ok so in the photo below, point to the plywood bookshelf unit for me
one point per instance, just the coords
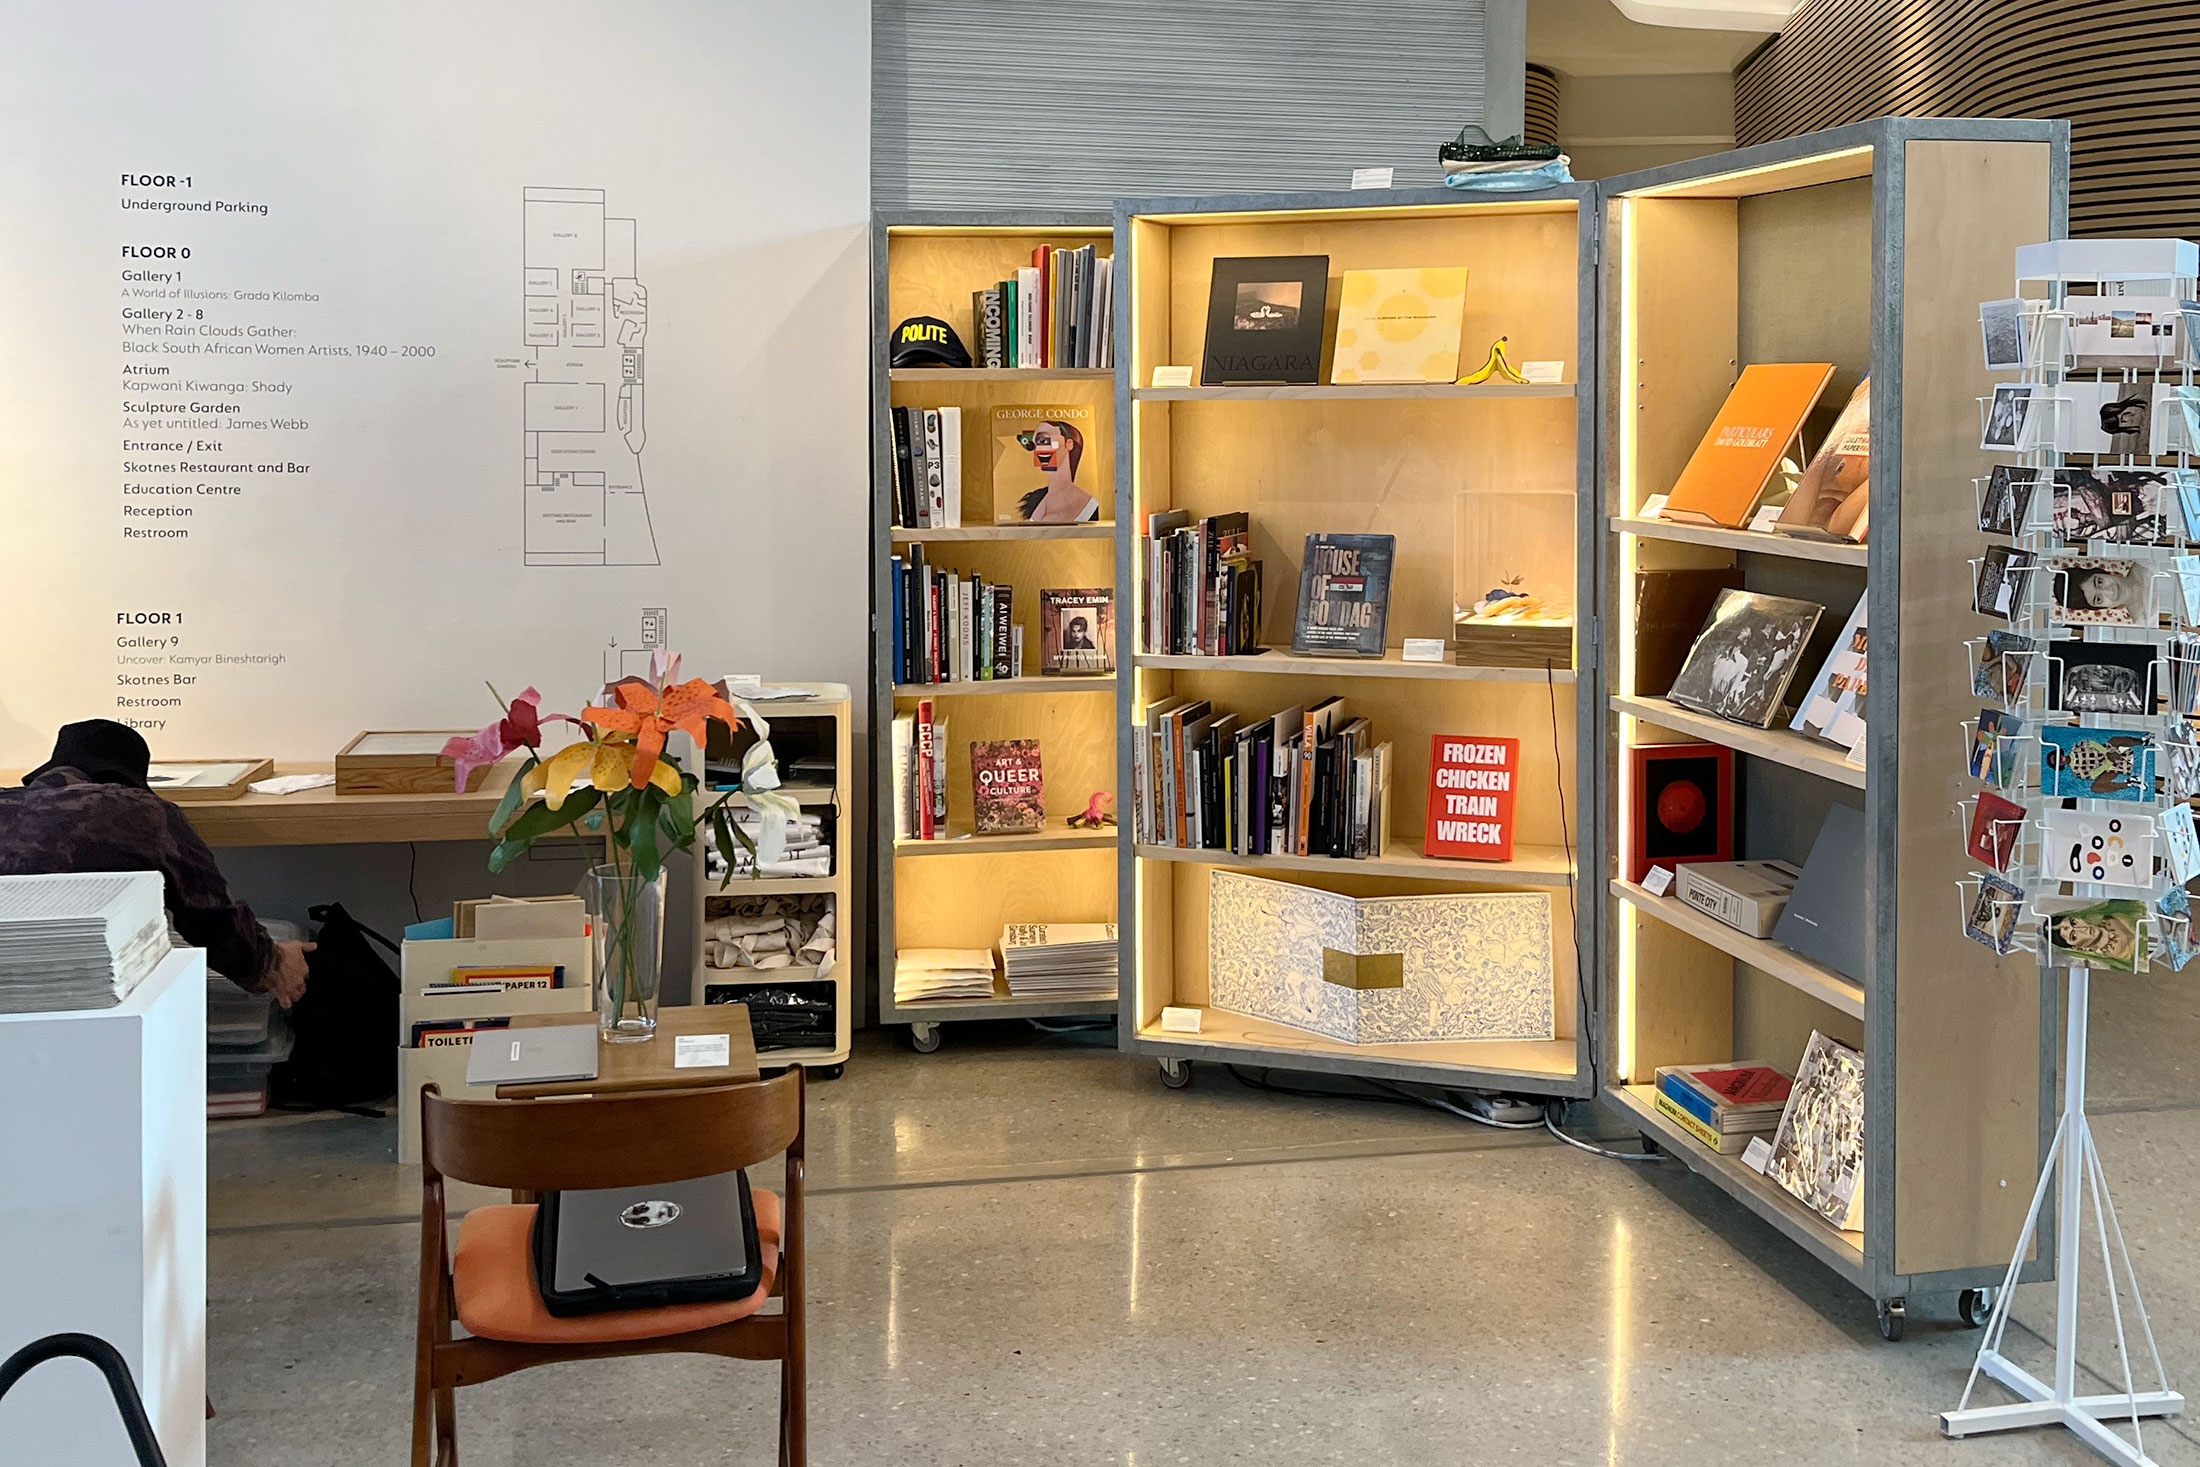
(1383, 459)
(1868, 246)
(960, 892)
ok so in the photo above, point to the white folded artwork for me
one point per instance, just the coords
(2112, 849)
(1382, 970)
(78, 941)
(922, 973)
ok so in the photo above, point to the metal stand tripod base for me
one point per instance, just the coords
(2074, 1162)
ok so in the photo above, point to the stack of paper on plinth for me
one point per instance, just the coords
(1045, 959)
(78, 941)
(942, 972)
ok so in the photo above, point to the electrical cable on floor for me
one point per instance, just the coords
(412, 871)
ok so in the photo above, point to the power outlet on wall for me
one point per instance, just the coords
(654, 624)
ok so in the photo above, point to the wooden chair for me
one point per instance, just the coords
(575, 1143)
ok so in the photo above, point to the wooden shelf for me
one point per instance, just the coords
(1842, 1252)
(1391, 664)
(1003, 1005)
(1832, 552)
(1058, 836)
(1780, 745)
(1344, 392)
(802, 794)
(1237, 1039)
(1000, 374)
(979, 686)
(1090, 530)
(768, 885)
(1791, 968)
(1537, 866)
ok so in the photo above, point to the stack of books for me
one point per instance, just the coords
(1059, 311)
(1308, 781)
(1202, 585)
(927, 468)
(1053, 959)
(1723, 1106)
(950, 627)
(922, 973)
(78, 941)
(920, 774)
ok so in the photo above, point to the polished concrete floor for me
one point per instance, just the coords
(1026, 1250)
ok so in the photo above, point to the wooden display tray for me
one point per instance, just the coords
(202, 794)
(360, 771)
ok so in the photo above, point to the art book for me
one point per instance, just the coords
(1007, 791)
(1399, 325)
(1344, 596)
(1833, 499)
(1077, 632)
(1745, 657)
(1833, 709)
(2080, 763)
(1818, 1152)
(1726, 475)
(1041, 466)
(1264, 320)
(1471, 783)
(1996, 826)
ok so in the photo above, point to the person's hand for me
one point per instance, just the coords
(287, 979)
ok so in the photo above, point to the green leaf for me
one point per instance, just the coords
(642, 841)
(509, 805)
(539, 820)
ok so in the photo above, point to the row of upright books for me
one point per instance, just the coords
(919, 754)
(928, 468)
(1308, 781)
(1202, 585)
(951, 627)
(1059, 311)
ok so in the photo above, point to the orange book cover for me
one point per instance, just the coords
(1726, 475)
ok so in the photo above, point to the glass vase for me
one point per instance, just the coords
(627, 925)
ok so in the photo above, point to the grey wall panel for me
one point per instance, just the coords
(1047, 103)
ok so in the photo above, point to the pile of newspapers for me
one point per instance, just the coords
(80, 941)
(1046, 959)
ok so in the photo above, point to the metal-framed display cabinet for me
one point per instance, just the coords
(1451, 470)
(959, 892)
(1868, 246)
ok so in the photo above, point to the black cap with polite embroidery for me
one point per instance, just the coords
(926, 341)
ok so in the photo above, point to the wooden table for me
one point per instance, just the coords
(624, 1068)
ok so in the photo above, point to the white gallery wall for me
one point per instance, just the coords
(352, 356)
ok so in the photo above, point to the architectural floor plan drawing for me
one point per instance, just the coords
(587, 316)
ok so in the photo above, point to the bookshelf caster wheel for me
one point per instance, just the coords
(1650, 1146)
(924, 1038)
(1176, 1074)
(825, 1072)
(1975, 1305)
(1893, 1315)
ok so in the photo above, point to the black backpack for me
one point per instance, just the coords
(345, 1053)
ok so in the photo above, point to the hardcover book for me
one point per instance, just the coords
(1077, 632)
(1762, 415)
(1399, 325)
(1040, 474)
(1683, 805)
(1344, 596)
(1745, 657)
(1470, 797)
(1007, 790)
(1833, 709)
(1833, 500)
(1264, 320)
(1818, 1152)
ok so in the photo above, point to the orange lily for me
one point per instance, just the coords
(648, 714)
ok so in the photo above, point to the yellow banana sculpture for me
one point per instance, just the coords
(1498, 368)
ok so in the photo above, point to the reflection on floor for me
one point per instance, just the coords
(1025, 1250)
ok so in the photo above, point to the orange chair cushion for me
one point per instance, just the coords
(493, 1279)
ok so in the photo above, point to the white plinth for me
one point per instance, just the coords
(103, 1217)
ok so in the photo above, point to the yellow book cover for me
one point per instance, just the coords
(1399, 325)
(1726, 475)
(1679, 1117)
(1039, 469)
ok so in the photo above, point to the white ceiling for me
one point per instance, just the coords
(1592, 38)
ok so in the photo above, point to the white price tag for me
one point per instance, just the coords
(1766, 517)
(1757, 1155)
(1172, 376)
(744, 682)
(1424, 649)
(1543, 371)
(1653, 507)
(1372, 177)
(1658, 881)
(702, 1051)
